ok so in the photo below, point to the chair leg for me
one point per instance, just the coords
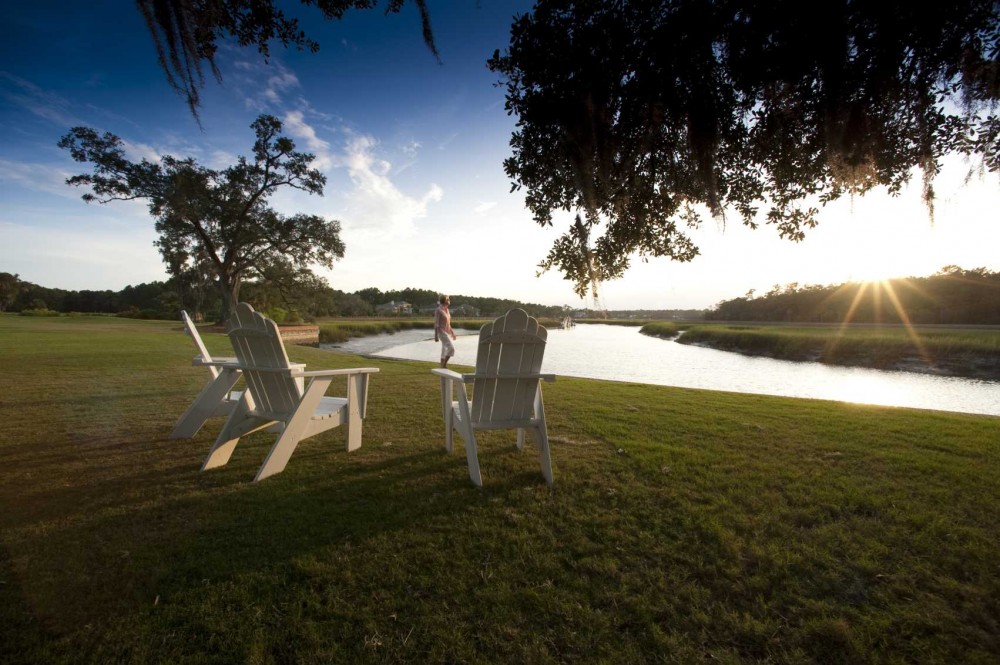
(277, 458)
(449, 430)
(239, 424)
(542, 437)
(472, 456)
(469, 434)
(357, 388)
(205, 405)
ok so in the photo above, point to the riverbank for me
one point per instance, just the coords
(336, 331)
(684, 525)
(962, 352)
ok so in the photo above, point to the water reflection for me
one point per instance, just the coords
(619, 353)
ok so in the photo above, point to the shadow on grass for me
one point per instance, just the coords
(135, 523)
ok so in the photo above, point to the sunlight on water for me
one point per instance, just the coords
(619, 353)
(869, 389)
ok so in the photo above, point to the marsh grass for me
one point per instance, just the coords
(664, 329)
(683, 526)
(962, 351)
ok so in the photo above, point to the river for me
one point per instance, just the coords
(620, 353)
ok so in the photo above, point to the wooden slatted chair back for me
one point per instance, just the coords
(261, 355)
(509, 346)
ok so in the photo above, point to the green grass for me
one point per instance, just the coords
(684, 526)
(960, 351)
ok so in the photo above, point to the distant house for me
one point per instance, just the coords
(393, 307)
(456, 310)
(464, 310)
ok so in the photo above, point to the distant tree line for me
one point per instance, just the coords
(289, 298)
(658, 314)
(951, 296)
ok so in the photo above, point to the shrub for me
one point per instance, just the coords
(39, 312)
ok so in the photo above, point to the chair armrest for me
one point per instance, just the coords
(215, 362)
(447, 374)
(469, 378)
(338, 372)
(294, 368)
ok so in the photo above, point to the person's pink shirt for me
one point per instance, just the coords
(442, 320)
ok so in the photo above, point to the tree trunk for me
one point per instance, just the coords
(230, 289)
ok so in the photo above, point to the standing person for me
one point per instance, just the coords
(442, 329)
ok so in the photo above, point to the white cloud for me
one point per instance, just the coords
(221, 159)
(376, 207)
(141, 151)
(295, 123)
(484, 207)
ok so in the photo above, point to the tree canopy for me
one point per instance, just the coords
(641, 115)
(217, 220)
(10, 286)
(186, 32)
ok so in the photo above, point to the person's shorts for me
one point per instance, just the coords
(447, 348)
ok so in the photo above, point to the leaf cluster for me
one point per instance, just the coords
(186, 33)
(643, 114)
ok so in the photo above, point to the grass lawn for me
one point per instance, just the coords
(684, 526)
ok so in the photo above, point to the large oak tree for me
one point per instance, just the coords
(640, 115)
(218, 217)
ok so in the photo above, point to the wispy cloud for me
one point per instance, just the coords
(44, 104)
(410, 149)
(484, 207)
(38, 177)
(281, 82)
(447, 141)
(51, 180)
(264, 86)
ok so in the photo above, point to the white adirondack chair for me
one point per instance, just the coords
(506, 389)
(276, 388)
(217, 397)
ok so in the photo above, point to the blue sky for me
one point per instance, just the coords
(413, 151)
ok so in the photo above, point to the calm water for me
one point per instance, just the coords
(620, 353)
